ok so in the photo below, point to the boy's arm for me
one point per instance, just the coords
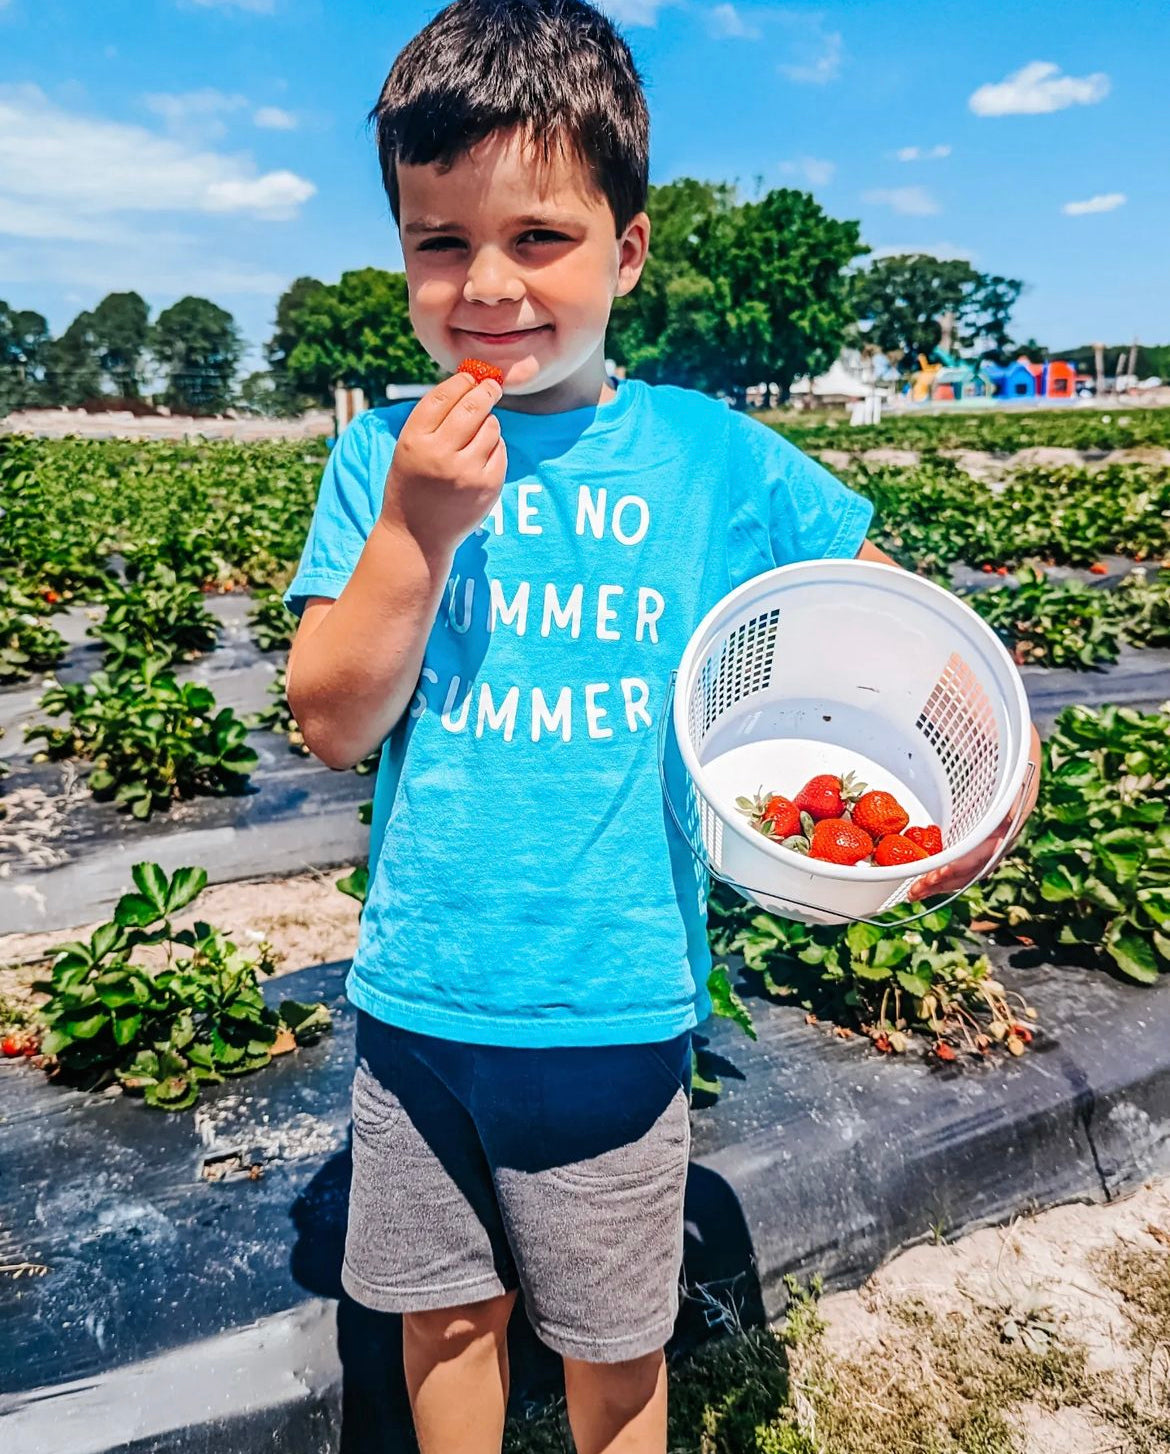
(356, 659)
(956, 875)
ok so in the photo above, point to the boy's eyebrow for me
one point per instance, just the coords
(427, 224)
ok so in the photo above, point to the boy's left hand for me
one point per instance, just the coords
(960, 874)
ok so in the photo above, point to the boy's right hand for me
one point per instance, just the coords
(449, 464)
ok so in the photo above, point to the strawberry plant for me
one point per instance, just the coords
(273, 624)
(1144, 605)
(27, 644)
(926, 984)
(1091, 874)
(1049, 623)
(151, 739)
(996, 431)
(164, 1030)
(154, 615)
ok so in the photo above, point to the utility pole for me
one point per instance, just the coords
(1099, 359)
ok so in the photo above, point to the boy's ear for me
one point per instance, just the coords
(634, 246)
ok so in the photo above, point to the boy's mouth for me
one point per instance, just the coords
(499, 340)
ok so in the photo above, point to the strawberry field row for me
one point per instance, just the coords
(998, 431)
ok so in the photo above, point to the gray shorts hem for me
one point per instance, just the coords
(607, 1350)
(419, 1299)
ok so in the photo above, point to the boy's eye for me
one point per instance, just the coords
(442, 244)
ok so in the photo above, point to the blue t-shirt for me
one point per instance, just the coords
(527, 885)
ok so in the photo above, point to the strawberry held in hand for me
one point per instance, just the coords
(827, 796)
(880, 813)
(480, 370)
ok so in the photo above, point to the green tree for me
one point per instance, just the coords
(199, 346)
(72, 373)
(120, 330)
(284, 340)
(736, 293)
(660, 331)
(356, 332)
(24, 336)
(901, 302)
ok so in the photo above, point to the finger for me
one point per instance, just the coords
(497, 460)
(467, 414)
(480, 448)
(433, 408)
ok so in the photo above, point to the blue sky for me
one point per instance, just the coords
(219, 146)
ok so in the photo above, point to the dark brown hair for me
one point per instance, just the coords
(556, 70)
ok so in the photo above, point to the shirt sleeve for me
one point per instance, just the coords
(809, 513)
(343, 517)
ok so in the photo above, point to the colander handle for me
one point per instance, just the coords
(897, 923)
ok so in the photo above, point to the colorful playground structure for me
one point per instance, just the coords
(952, 378)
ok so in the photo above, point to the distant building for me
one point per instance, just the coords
(1022, 380)
(961, 381)
(1059, 380)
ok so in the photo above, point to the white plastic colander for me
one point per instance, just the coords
(829, 666)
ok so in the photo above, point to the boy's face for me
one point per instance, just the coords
(516, 264)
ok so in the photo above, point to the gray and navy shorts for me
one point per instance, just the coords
(478, 1169)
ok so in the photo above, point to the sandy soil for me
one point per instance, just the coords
(982, 465)
(306, 918)
(62, 423)
(1048, 1265)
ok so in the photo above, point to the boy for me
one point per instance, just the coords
(496, 586)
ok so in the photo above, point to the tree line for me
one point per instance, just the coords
(734, 293)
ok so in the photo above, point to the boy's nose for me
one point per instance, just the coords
(490, 279)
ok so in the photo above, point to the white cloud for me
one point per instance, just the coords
(137, 263)
(276, 194)
(1036, 88)
(908, 201)
(922, 153)
(194, 115)
(814, 170)
(75, 168)
(274, 118)
(817, 52)
(726, 23)
(1103, 202)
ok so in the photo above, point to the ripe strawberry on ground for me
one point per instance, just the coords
(928, 838)
(894, 849)
(774, 816)
(1099, 569)
(480, 370)
(880, 813)
(826, 796)
(11, 1046)
(837, 840)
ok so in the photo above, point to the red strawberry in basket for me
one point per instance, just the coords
(928, 838)
(774, 816)
(895, 849)
(835, 840)
(480, 370)
(827, 796)
(880, 813)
